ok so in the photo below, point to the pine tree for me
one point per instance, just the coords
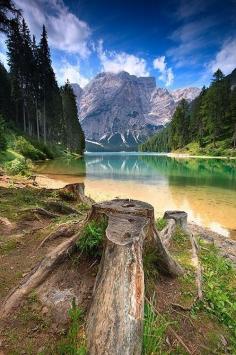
(233, 114)
(5, 94)
(51, 104)
(7, 8)
(14, 46)
(75, 136)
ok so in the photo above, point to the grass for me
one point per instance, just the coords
(90, 241)
(219, 289)
(161, 223)
(8, 246)
(75, 342)
(155, 327)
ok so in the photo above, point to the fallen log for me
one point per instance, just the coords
(115, 318)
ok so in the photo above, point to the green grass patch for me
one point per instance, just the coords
(154, 332)
(91, 237)
(161, 223)
(8, 246)
(75, 342)
(219, 289)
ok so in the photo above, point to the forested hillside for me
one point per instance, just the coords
(31, 101)
(206, 125)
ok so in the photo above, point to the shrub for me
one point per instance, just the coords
(91, 237)
(18, 167)
(3, 140)
(25, 148)
(45, 149)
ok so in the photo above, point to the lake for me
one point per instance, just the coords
(203, 187)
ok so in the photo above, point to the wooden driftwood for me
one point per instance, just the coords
(115, 319)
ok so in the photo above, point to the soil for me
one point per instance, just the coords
(42, 319)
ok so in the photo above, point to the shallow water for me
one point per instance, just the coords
(205, 188)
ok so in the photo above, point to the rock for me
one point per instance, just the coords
(119, 111)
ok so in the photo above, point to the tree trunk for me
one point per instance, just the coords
(44, 119)
(24, 118)
(115, 318)
(37, 119)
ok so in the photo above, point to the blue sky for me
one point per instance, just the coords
(180, 43)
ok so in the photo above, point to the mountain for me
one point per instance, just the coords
(119, 111)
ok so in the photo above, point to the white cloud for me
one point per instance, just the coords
(3, 49)
(66, 31)
(72, 73)
(116, 62)
(167, 75)
(225, 58)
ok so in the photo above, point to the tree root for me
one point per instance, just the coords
(42, 212)
(38, 274)
(197, 265)
(65, 230)
(59, 207)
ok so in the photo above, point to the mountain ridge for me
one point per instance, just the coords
(119, 111)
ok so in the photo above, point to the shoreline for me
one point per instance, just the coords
(171, 154)
(226, 245)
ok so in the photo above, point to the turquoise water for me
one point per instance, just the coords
(205, 188)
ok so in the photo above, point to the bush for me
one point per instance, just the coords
(45, 149)
(25, 148)
(18, 167)
(91, 237)
(3, 140)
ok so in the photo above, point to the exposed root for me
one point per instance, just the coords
(167, 232)
(38, 274)
(42, 212)
(64, 230)
(197, 265)
(59, 207)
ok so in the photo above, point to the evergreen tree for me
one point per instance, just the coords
(210, 118)
(51, 104)
(5, 94)
(75, 137)
(14, 45)
(233, 114)
(7, 8)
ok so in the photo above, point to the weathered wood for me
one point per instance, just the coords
(75, 192)
(197, 265)
(37, 275)
(41, 211)
(167, 232)
(180, 217)
(59, 207)
(65, 230)
(115, 319)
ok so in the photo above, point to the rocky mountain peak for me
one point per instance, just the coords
(119, 111)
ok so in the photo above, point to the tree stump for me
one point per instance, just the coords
(180, 217)
(115, 318)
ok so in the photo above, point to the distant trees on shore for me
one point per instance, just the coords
(209, 119)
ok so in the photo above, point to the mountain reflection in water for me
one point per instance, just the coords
(205, 188)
